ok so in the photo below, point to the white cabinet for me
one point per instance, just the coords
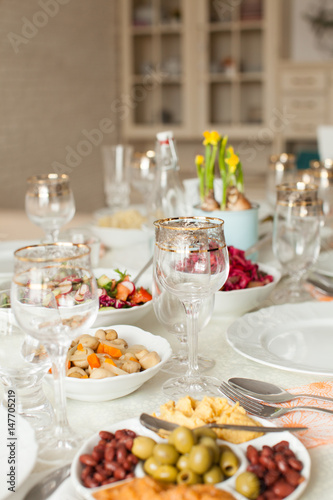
(192, 65)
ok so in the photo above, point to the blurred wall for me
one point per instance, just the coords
(57, 85)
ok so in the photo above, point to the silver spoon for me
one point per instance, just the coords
(270, 393)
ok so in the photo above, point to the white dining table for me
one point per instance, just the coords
(92, 417)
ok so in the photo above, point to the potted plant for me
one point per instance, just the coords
(239, 214)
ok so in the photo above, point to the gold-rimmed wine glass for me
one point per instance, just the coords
(54, 298)
(191, 262)
(49, 203)
(296, 237)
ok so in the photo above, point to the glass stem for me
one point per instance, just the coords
(182, 351)
(192, 315)
(58, 354)
(52, 236)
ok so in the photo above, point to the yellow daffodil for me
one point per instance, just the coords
(211, 138)
(232, 160)
(199, 160)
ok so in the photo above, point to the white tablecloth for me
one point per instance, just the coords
(93, 417)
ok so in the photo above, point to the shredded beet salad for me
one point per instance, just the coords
(243, 273)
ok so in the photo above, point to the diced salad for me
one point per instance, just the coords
(120, 293)
(243, 273)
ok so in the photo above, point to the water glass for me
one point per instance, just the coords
(49, 203)
(296, 243)
(116, 163)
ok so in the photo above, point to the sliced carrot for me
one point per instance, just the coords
(113, 351)
(93, 360)
(134, 359)
(122, 292)
(80, 347)
(110, 361)
(100, 349)
(50, 370)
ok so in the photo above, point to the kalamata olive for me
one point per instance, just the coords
(213, 475)
(165, 453)
(211, 443)
(183, 462)
(143, 447)
(248, 484)
(201, 458)
(188, 476)
(183, 439)
(151, 465)
(166, 473)
(229, 463)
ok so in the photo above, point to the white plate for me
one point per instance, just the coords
(237, 302)
(106, 389)
(24, 452)
(124, 316)
(7, 249)
(229, 484)
(324, 264)
(294, 337)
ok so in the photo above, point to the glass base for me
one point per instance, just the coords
(59, 445)
(290, 292)
(196, 387)
(178, 364)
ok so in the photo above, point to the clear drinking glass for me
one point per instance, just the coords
(171, 313)
(281, 169)
(49, 203)
(191, 262)
(23, 364)
(296, 244)
(54, 298)
(142, 172)
(116, 163)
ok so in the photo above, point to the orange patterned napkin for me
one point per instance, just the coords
(320, 425)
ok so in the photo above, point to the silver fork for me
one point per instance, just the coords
(262, 410)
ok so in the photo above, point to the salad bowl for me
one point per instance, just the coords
(111, 316)
(238, 302)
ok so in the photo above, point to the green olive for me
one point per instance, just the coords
(229, 463)
(248, 484)
(187, 476)
(201, 458)
(151, 465)
(211, 443)
(204, 431)
(183, 462)
(143, 447)
(213, 475)
(183, 439)
(166, 453)
(166, 473)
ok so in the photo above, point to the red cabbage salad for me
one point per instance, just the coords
(243, 273)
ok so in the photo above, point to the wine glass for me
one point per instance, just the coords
(49, 203)
(142, 172)
(171, 313)
(296, 244)
(191, 262)
(23, 364)
(54, 298)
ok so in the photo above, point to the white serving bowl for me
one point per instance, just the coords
(114, 237)
(106, 389)
(128, 316)
(238, 302)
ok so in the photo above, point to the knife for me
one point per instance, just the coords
(156, 424)
(44, 488)
(266, 238)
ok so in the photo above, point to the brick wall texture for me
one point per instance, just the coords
(57, 84)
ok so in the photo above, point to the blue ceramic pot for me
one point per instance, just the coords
(240, 227)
